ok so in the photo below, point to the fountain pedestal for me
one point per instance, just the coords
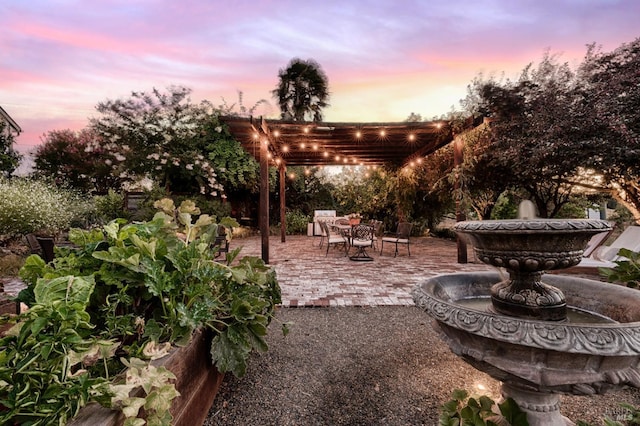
(541, 408)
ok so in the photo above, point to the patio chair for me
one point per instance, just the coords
(401, 236)
(220, 243)
(323, 234)
(361, 238)
(378, 232)
(334, 238)
(605, 256)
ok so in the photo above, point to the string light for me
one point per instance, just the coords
(292, 176)
(286, 148)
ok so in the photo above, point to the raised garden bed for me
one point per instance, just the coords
(197, 380)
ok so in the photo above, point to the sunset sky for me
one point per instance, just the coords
(384, 59)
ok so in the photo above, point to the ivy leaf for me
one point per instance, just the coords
(160, 398)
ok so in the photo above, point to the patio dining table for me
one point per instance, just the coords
(347, 231)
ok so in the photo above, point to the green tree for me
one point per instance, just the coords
(539, 120)
(302, 91)
(9, 158)
(612, 90)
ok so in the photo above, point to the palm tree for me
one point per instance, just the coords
(303, 90)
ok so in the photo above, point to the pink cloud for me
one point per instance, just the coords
(61, 58)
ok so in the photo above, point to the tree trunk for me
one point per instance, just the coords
(629, 196)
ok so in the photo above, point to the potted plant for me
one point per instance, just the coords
(354, 219)
(99, 314)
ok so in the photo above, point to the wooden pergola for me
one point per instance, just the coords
(280, 144)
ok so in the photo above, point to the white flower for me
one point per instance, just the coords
(108, 162)
(218, 129)
(189, 166)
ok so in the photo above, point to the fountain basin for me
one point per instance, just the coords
(534, 355)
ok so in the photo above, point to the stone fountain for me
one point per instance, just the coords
(540, 339)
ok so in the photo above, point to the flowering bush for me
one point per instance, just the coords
(31, 206)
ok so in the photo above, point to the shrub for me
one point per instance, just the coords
(297, 222)
(32, 206)
(109, 207)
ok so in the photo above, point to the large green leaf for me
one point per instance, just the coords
(68, 289)
(229, 356)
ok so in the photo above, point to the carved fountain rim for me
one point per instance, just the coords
(533, 225)
(582, 338)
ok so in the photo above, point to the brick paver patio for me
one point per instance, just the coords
(308, 277)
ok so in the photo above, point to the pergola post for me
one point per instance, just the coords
(458, 145)
(283, 216)
(264, 197)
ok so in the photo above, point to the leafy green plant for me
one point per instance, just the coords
(148, 283)
(626, 271)
(464, 410)
(41, 373)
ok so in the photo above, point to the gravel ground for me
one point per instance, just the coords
(364, 366)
